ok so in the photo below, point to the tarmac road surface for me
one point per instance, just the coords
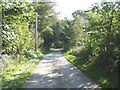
(54, 71)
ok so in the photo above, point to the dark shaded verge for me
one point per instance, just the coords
(95, 71)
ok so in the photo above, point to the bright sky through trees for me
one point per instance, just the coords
(67, 7)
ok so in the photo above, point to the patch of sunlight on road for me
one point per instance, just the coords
(54, 75)
(33, 81)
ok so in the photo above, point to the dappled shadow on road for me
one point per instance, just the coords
(58, 73)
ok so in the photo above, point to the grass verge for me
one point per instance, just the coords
(95, 71)
(15, 71)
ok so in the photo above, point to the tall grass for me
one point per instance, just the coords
(17, 69)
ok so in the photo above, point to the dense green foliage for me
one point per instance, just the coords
(46, 19)
(100, 53)
(67, 33)
(18, 39)
(91, 39)
(16, 35)
(19, 25)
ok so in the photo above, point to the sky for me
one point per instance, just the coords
(67, 7)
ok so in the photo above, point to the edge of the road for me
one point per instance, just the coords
(83, 72)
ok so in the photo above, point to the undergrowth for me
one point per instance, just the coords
(98, 70)
(17, 69)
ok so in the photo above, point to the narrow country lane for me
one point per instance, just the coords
(54, 71)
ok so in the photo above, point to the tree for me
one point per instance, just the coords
(103, 32)
(67, 33)
(16, 35)
(45, 21)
